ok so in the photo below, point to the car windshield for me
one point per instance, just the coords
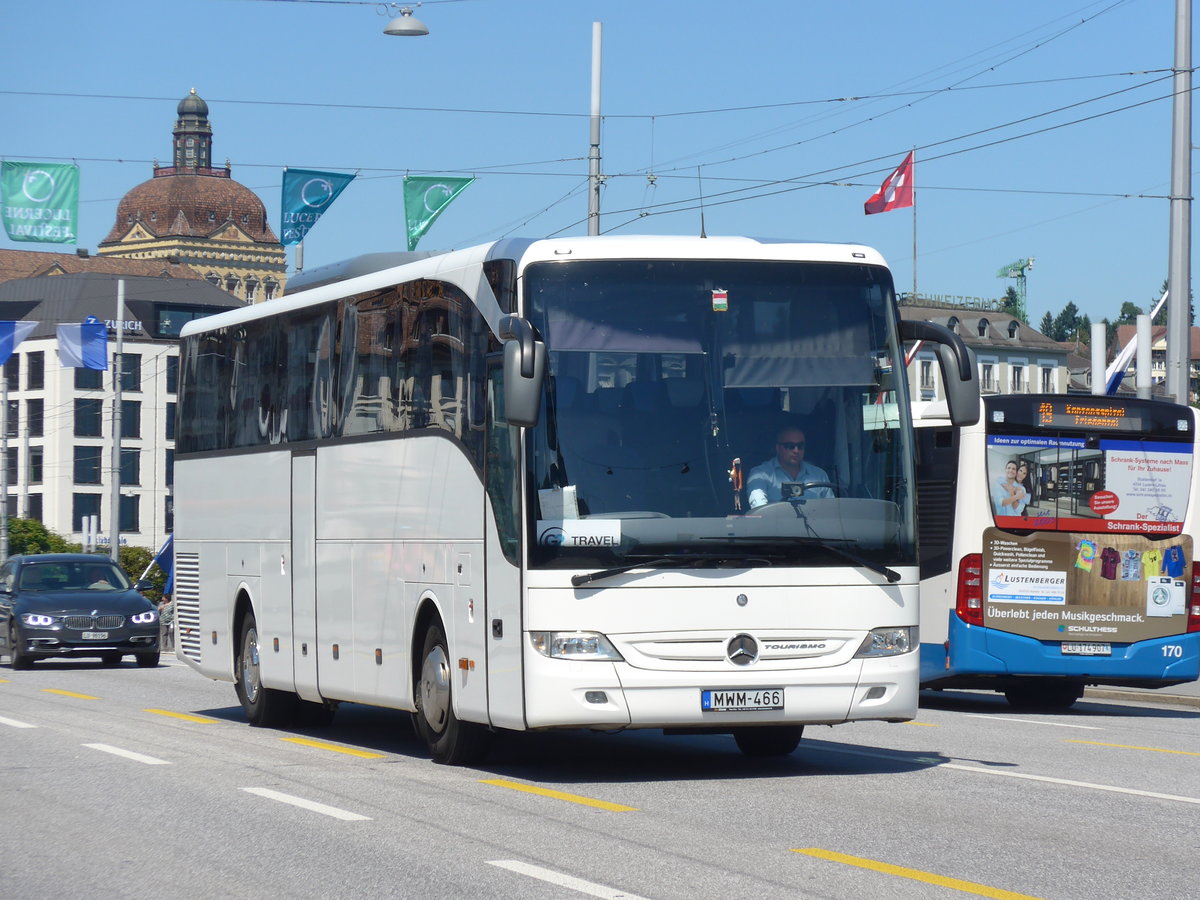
(73, 576)
(734, 412)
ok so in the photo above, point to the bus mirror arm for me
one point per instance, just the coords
(960, 377)
(524, 369)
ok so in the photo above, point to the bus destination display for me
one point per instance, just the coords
(1075, 413)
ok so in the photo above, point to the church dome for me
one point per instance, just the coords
(192, 105)
(191, 206)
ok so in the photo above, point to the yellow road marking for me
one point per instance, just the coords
(924, 724)
(69, 694)
(559, 795)
(1132, 747)
(321, 745)
(968, 887)
(187, 718)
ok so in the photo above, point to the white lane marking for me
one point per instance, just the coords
(129, 754)
(13, 723)
(558, 878)
(310, 805)
(1031, 721)
(938, 763)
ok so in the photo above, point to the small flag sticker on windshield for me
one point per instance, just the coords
(720, 300)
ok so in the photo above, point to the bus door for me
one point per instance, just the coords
(303, 566)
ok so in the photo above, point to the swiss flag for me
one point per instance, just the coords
(896, 192)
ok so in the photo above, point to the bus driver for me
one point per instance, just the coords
(766, 481)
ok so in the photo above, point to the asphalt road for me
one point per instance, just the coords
(147, 783)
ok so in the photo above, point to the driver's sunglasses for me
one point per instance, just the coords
(792, 445)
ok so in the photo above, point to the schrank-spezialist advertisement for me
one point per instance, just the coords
(1107, 486)
(1084, 586)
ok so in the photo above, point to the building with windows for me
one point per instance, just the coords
(1012, 357)
(58, 442)
(194, 213)
(1158, 356)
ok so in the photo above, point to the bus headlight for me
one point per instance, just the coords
(581, 645)
(887, 642)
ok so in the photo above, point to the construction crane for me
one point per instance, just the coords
(1017, 270)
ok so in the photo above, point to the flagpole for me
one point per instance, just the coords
(915, 298)
(115, 525)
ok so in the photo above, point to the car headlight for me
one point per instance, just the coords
(887, 642)
(582, 645)
(144, 618)
(37, 619)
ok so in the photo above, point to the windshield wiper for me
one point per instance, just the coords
(826, 544)
(678, 559)
(577, 580)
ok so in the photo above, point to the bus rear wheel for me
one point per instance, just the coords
(451, 741)
(768, 740)
(264, 707)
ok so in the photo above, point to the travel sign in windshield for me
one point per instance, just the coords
(1114, 486)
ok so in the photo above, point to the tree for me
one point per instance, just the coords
(1129, 313)
(1047, 325)
(135, 561)
(1066, 323)
(31, 536)
(1011, 303)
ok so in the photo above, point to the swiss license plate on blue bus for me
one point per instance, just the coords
(1077, 648)
(736, 700)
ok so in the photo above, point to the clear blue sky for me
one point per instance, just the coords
(747, 102)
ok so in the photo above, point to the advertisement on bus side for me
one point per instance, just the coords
(1080, 586)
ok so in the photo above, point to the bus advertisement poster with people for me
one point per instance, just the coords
(1086, 570)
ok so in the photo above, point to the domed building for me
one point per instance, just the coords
(198, 215)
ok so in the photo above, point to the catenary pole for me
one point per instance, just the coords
(115, 524)
(1179, 271)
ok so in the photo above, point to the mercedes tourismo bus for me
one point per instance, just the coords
(1057, 546)
(504, 488)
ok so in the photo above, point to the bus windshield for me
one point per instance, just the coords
(674, 388)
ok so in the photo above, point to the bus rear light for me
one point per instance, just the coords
(1193, 619)
(969, 602)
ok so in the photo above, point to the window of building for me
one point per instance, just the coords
(987, 377)
(14, 418)
(89, 379)
(168, 514)
(232, 283)
(270, 286)
(131, 418)
(35, 370)
(926, 374)
(131, 373)
(131, 466)
(1018, 379)
(12, 372)
(88, 416)
(87, 465)
(170, 423)
(952, 323)
(34, 505)
(1047, 380)
(12, 455)
(1014, 328)
(213, 278)
(251, 288)
(12, 511)
(172, 374)
(35, 465)
(82, 507)
(983, 327)
(130, 514)
(35, 417)
(169, 468)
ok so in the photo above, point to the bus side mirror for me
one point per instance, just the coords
(960, 374)
(524, 370)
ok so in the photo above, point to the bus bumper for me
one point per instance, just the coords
(978, 651)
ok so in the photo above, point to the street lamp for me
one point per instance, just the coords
(406, 24)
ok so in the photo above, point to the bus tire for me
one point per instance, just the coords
(769, 740)
(451, 741)
(1044, 696)
(265, 707)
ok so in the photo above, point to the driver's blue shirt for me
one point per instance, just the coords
(765, 484)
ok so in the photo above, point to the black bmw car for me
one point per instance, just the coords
(73, 605)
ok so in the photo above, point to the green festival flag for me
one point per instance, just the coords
(40, 201)
(424, 200)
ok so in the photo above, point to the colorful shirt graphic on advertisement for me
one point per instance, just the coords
(1087, 555)
(1131, 566)
(1174, 562)
(1109, 558)
(1151, 563)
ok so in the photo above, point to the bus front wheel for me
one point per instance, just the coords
(450, 741)
(769, 740)
(264, 707)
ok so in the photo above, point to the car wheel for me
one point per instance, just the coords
(769, 740)
(110, 659)
(264, 707)
(450, 741)
(147, 660)
(17, 657)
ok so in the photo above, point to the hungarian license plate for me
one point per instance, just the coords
(736, 700)
(95, 635)
(1074, 648)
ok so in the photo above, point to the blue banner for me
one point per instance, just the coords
(306, 196)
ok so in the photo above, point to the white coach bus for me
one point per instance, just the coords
(509, 487)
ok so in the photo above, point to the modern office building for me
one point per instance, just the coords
(58, 441)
